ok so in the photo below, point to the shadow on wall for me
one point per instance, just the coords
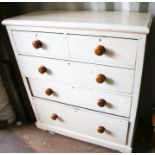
(144, 130)
(9, 69)
(29, 7)
(147, 96)
(93, 6)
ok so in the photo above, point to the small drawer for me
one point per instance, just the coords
(103, 50)
(83, 122)
(86, 98)
(90, 76)
(52, 45)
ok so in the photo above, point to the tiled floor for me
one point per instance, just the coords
(28, 138)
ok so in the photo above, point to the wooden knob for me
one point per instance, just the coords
(37, 44)
(100, 50)
(42, 69)
(101, 102)
(54, 116)
(100, 78)
(100, 129)
(49, 91)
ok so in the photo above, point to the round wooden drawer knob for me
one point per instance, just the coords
(101, 102)
(54, 116)
(48, 91)
(42, 69)
(100, 78)
(100, 50)
(100, 129)
(37, 44)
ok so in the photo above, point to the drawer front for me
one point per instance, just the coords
(69, 94)
(52, 44)
(86, 75)
(119, 51)
(77, 120)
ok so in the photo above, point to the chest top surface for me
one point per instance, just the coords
(110, 21)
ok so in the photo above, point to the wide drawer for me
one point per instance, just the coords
(73, 95)
(52, 45)
(118, 51)
(86, 75)
(85, 122)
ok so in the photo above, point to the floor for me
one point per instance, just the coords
(29, 139)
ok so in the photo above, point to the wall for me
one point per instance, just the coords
(6, 111)
(94, 6)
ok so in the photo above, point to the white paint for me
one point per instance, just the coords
(122, 22)
(80, 72)
(76, 95)
(83, 74)
(50, 43)
(80, 47)
(82, 121)
(83, 48)
(136, 90)
(82, 137)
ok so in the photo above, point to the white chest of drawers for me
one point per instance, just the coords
(82, 71)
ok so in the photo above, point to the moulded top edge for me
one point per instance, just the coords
(110, 21)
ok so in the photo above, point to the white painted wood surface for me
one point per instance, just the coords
(84, 74)
(119, 51)
(82, 121)
(110, 21)
(76, 95)
(79, 47)
(79, 70)
(53, 44)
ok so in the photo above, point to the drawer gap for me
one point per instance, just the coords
(99, 36)
(36, 31)
(77, 61)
